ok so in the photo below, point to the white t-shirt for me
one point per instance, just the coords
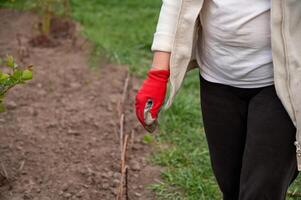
(236, 43)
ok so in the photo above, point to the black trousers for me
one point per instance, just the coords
(250, 139)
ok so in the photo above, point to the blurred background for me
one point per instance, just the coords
(61, 131)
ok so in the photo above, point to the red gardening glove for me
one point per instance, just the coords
(150, 98)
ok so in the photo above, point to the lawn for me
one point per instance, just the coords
(123, 30)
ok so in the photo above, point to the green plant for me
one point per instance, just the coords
(48, 9)
(11, 75)
(148, 138)
(45, 8)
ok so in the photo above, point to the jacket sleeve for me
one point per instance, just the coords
(166, 26)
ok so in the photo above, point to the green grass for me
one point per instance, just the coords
(185, 156)
(123, 29)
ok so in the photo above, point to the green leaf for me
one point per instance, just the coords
(4, 76)
(18, 74)
(148, 138)
(10, 62)
(27, 74)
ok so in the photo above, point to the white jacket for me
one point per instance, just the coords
(179, 28)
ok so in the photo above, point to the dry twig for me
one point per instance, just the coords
(121, 132)
(124, 94)
(124, 170)
(126, 183)
(124, 140)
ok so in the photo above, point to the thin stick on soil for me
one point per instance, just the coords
(126, 183)
(121, 133)
(21, 166)
(124, 140)
(123, 179)
(124, 94)
(124, 151)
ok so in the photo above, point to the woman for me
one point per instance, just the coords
(250, 79)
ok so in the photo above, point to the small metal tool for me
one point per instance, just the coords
(151, 123)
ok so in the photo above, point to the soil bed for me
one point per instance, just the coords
(59, 136)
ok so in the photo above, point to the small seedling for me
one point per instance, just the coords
(148, 138)
(11, 75)
(48, 9)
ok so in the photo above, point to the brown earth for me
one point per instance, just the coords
(59, 136)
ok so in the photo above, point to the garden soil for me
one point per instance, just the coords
(60, 133)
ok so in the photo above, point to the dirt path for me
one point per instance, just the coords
(59, 136)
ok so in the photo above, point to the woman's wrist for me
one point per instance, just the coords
(159, 68)
(161, 60)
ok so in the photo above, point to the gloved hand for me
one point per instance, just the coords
(150, 98)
